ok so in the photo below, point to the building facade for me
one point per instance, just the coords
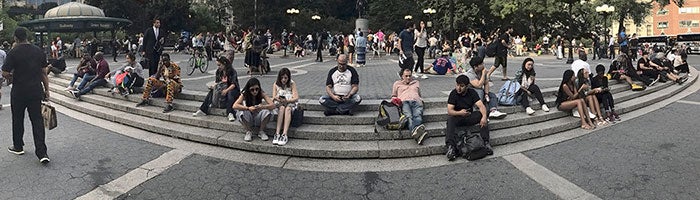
(672, 20)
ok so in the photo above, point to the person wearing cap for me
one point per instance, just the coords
(341, 89)
(477, 75)
(460, 111)
(440, 66)
(99, 80)
(407, 92)
(171, 83)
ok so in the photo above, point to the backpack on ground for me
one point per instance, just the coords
(473, 147)
(491, 49)
(507, 93)
(390, 117)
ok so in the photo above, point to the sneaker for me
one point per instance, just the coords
(69, 88)
(497, 114)
(283, 140)
(248, 136)
(263, 136)
(330, 112)
(199, 113)
(74, 94)
(14, 150)
(489, 149)
(168, 108)
(545, 108)
(276, 139)
(529, 111)
(418, 131)
(142, 103)
(636, 87)
(617, 117)
(415, 75)
(654, 81)
(44, 160)
(451, 153)
(231, 117)
(591, 115)
(575, 114)
(424, 76)
(422, 136)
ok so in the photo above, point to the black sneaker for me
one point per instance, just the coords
(489, 149)
(330, 112)
(17, 151)
(142, 103)
(168, 108)
(44, 160)
(451, 153)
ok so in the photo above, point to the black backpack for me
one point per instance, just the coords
(473, 147)
(491, 49)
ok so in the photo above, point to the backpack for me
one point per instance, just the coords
(506, 95)
(217, 99)
(473, 146)
(390, 117)
(491, 49)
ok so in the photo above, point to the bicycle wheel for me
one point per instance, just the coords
(192, 63)
(205, 65)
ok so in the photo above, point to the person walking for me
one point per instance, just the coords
(26, 67)
(421, 38)
(406, 42)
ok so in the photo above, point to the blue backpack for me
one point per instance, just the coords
(506, 95)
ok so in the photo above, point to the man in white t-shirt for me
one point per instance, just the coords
(341, 89)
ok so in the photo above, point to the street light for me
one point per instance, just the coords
(291, 12)
(316, 17)
(408, 17)
(605, 10)
(429, 12)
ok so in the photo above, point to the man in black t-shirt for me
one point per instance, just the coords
(501, 58)
(460, 109)
(26, 66)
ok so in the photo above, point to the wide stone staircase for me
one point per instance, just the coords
(336, 136)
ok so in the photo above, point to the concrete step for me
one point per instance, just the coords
(352, 132)
(341, 149)
(373, 104)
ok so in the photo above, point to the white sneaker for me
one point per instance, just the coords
(529, 111)
(575, 114)
(415, 75)
(231, 117)
(248, 136)
(545, 108)
(70, 88)
(591, 115)
(424, 76)
(199, 113)
(497, 114)
(283, 140)
(263, 136)
(276, 139)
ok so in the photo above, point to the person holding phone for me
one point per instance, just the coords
(342, 85)
(285, 96)
(252, 111)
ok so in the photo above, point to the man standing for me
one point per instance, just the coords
(611, 47)
(341, 89)
(26, 67)
(460, 111)
(502, 54)
(152, 46)
(406, 41)
(622, 39)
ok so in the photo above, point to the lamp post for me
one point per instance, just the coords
(408, 17)
(429, 12)
(605, 10)
(532, 30)
(570, 59)
(291, 12)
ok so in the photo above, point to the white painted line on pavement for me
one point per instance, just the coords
(211, 72)
(6, 105)
(137, 176)
(550, 180)
(689, 102)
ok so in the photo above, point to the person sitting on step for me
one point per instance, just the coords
(85, 70)
(526, 78)
(133, 78)
(583, 85)
(600, 81)
(568, 99)
(460, 111)
(664, 69)
(253, 108)
(341, 89)
(98, 80)
(227, 87)
(285, 95)
(170, 85)
(478, 77)
(407, 91)
(621, 69)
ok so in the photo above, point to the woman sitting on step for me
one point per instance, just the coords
(583, 83)
(568, 99)
(528, 88)
(251, 109)
(226, 87)
(133, 78)
(285, 96)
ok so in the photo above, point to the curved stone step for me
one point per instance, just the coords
(342, 149)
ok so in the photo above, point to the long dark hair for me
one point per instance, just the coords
(525, 71)
(581, 80)
(249, 99)
(228, 68)
(565, 79)
(284, 71)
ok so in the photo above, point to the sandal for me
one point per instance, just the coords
(602, 123)
(586, 127)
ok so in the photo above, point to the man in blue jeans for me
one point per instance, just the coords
(97, 80)
(341, 89)
(407, 91)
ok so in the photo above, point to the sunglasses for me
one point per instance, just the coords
(254, 89)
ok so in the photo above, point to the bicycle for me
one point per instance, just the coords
(198, 60)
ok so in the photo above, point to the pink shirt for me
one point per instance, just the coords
(406, 92)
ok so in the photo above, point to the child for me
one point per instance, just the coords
(600, 81)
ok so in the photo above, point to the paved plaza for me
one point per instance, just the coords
(651, 154)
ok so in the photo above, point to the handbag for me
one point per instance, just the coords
(297, 117)
(48, 112)
(218, 100)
